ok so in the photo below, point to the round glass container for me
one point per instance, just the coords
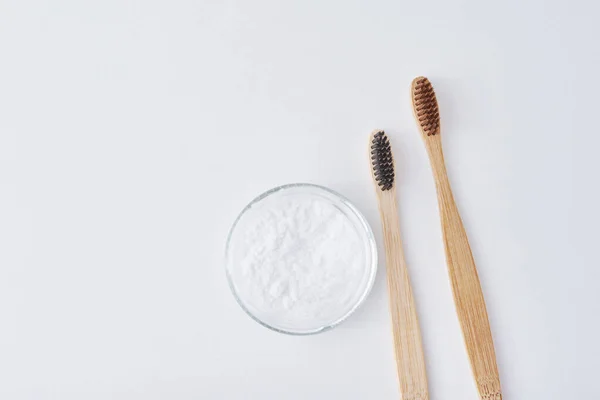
(300, 259)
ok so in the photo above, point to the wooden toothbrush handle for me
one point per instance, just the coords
(466, 288)
(405, 325)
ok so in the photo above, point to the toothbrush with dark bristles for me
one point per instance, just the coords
(468, 297)
(408, 347)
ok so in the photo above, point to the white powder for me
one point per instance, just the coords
(300, 261)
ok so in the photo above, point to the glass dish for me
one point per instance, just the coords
(364, 278)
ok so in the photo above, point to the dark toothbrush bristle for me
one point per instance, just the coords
(382, 161)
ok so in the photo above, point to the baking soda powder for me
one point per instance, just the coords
(298, 261)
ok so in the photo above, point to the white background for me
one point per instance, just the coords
(133, 132)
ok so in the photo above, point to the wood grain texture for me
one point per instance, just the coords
(466, 288)
(408, 346)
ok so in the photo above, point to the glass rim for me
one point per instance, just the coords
(369, 243)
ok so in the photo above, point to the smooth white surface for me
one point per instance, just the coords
(133, 132)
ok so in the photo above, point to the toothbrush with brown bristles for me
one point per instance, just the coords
(408, 347)
(468, 297)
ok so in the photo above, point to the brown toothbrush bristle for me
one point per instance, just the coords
(425, 106)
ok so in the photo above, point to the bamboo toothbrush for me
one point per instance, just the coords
(468, 297)
(405, 325)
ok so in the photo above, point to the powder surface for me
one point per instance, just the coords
(299, 260)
